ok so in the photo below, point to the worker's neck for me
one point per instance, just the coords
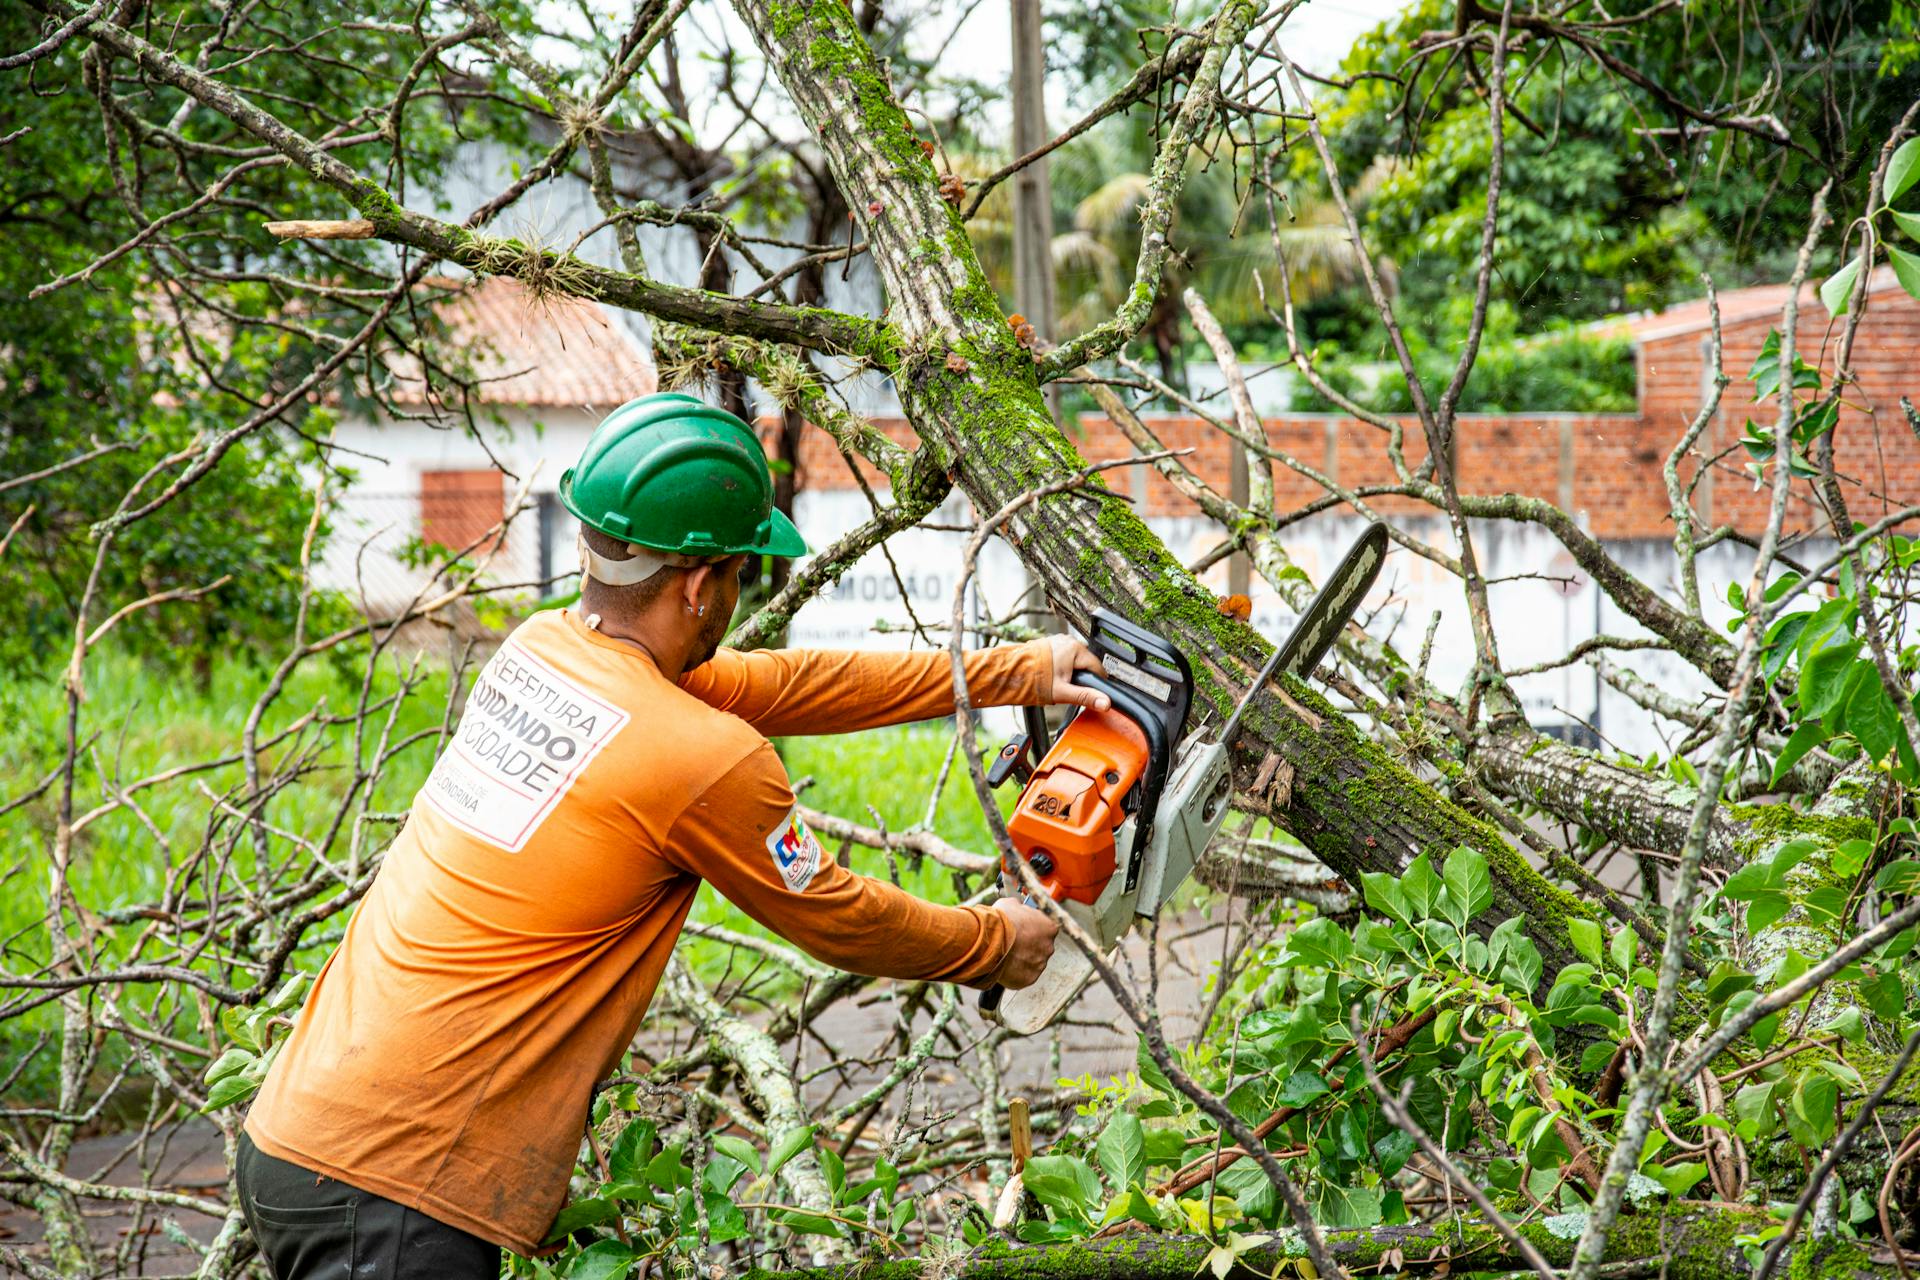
(656, 636)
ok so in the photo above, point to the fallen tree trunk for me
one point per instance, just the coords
(972, 392)
(1691, 1241)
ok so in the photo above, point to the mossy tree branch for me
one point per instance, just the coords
(539, 268)
(1689, 1241)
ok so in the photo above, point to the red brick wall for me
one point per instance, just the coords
(1873, 445)
(1610, 462)
(457, 507)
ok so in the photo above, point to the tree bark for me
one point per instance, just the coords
(1691, 1241)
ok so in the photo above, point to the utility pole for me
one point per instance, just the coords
(1032, 207)
(1032, 189)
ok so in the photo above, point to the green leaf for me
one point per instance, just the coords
(721, 1172)
(1301, 1088)
(1393, 1151)
(288, 995)
(1823, 677)
(1837, 292)
(1166, 1147)
(1587, 939)
(1824, 903)
(1150, 1070)
(590, 1212)
(1134, 1206)
(1754, 1106)
(238, 1024)
(1884, 994)
(1908, 223)
(1624, 947)
(739, 1148)
(627, 1159)
(787, 1146)
(1065, 1184)
(1906, 269)
(602, 1260)
(235, 1059)
(1765, 909)
(1902, 169)
(1678, 1179)
(1421, 886)
(1467, 880)
(1902, 877)
(1122, 1151)
(1849, 1025)
(724, 1220)
(229, 1091)
(834, 1167)
(800, 1222)
(1383, 894)
(1871, 716)
(1805, 738)
(1813, 1102)
(1348, 1206)
(1320, 942)
(667, 1170)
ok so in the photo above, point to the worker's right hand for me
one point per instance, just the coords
(1033, 933)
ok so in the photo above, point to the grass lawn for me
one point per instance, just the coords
(142, 721)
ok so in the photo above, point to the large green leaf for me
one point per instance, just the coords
(1065, 1184)
(1587, 938)
(1902, 170)
(1906, 269)
(1348, 1206)
(787, 1146)
(1320, 942)
(602, 1260)
(590, 1212)
(739, 1148)
(1809, 735)
(1837, 293)
(1871, 716)
(1122, 1150)
(631, 1152)
(1823, 677)
(1467, 880)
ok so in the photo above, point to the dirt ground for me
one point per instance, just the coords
(1094, 1039)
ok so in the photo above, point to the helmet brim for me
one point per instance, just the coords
(782, 538)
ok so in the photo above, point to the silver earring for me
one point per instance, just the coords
(703, 611)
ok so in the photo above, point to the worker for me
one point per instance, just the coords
(429, 1104)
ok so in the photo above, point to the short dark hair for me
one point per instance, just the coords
(629, 599)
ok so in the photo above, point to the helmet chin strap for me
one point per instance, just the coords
(641, 564)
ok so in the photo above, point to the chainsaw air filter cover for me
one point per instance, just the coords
(1107, 766)
(1065, 822)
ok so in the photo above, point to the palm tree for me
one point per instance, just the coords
(1221, 238)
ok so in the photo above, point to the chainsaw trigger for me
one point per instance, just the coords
(1011, 762)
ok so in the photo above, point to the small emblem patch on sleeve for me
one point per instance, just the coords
(795, 850)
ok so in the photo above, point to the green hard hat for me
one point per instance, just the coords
(668, 472)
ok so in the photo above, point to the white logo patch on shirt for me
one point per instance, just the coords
(795, 850)
(527, 735)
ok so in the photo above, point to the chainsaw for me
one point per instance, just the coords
(1118, 808)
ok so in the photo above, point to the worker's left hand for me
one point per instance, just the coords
(1069, 656)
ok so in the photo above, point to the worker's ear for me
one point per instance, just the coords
(694, 587)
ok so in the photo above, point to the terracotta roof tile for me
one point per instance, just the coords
(554, 352)
(1735, 305)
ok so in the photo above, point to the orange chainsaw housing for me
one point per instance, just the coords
(1065, 822)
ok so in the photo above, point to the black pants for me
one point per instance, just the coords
(311, 1227)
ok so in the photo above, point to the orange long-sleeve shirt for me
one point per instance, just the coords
(509, 947)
